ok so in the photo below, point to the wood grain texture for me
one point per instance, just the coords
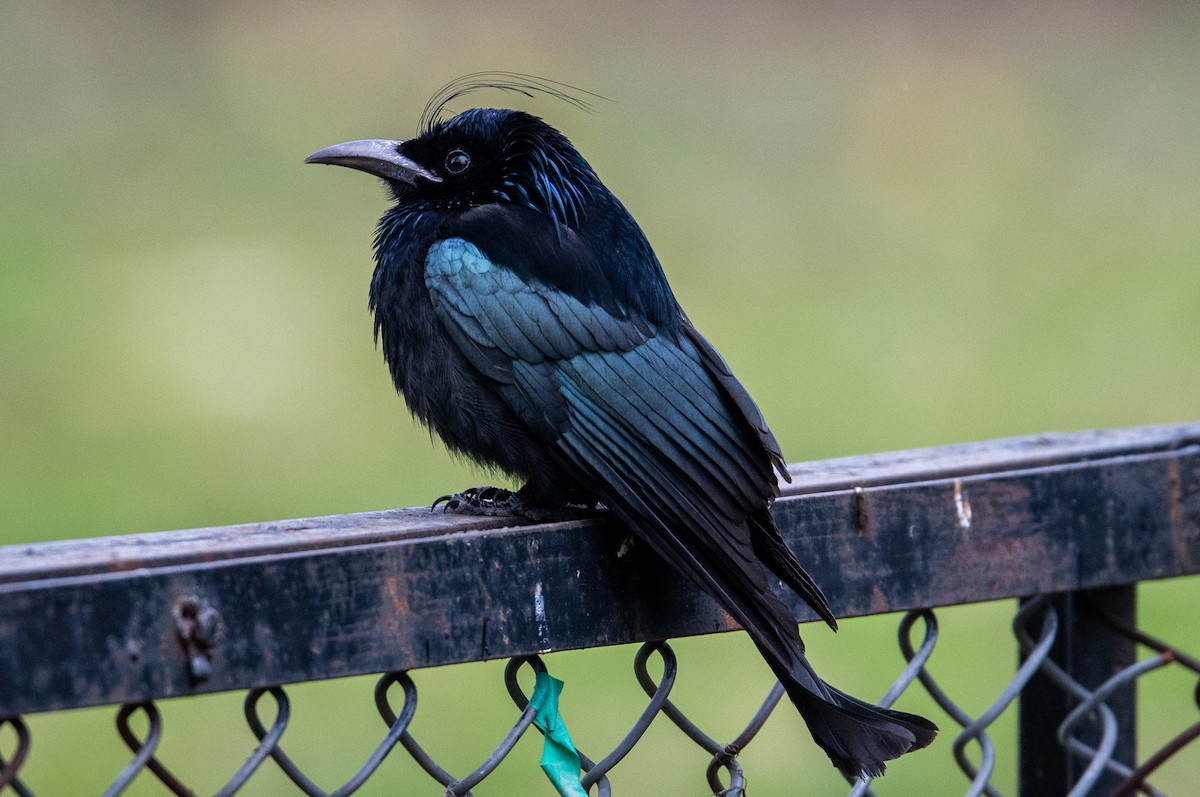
(90, 622)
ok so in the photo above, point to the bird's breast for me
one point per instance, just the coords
(439, 385)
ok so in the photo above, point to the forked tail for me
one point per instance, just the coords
(857, 736)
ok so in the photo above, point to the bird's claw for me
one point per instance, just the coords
(486, 501)
(498, 502)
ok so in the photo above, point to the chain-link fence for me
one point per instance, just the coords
(1126, 505)
(1035, 625)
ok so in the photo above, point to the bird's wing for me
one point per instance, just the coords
(764, 534)
(641, 420)
(596, 385)
(737, 393)
(633, 415)
(656, 424)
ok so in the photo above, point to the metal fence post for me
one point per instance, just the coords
(1090, 651)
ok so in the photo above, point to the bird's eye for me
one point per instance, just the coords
(457, 161)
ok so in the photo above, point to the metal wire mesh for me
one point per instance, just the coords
(396, 703)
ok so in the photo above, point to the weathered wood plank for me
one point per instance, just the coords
(94, 621)
(127, 552)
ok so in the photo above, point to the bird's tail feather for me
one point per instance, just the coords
(857, 736)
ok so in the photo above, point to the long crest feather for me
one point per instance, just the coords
(515, 82)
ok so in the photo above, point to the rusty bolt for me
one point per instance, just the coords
(198, 625)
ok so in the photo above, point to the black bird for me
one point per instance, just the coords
(526, 320)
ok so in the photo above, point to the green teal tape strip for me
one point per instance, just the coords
(560, 759)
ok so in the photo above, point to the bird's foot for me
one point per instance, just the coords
(487, 501)
(498, 502)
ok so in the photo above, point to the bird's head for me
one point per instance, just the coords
(481, 156)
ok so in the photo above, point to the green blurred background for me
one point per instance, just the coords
(902, 227)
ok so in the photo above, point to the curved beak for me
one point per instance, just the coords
(376, 156)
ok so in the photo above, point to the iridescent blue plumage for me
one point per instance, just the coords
(527, 321)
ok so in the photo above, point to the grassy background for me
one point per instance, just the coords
(902, 228)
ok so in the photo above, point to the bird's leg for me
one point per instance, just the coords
(498, 502)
